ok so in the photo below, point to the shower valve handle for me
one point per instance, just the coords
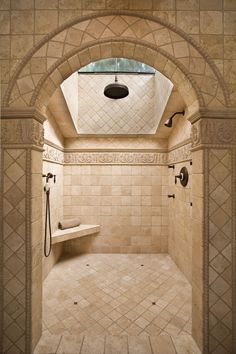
(180, 176)
(49, 175)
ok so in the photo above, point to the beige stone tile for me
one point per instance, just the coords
(213, 44)
(188, 21)
(211, 22)
(164, 5)
(138, 345)
(70, 344)
(4, 22)
(229, 5)
(45, 21)
(22, 22)
(48, 344)
(5, 5)
(44, 4)
(93, 344)
(133, 330)
(116, 345)
(70, 4)
(162, 344)
(230, 47)
(185, 344)
(187, 4)
(22, 4)
(210, 4)
(229, 22)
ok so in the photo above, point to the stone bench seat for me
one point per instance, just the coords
(74, 232)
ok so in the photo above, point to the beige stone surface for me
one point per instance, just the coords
(180, 220)
(4, 22)
(123, 200)
(211, 22)
(229, 22)
(213, 44)
(22, 22)
(45, 21)
(188, 21)
(212, 4)
(187, 4)
(115, 295)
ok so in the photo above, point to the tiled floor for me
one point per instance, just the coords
(121, 298)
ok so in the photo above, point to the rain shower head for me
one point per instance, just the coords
(116, 90)
(169, 122)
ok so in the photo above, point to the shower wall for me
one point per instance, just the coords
(180, 221)
(180, 209)
(128, 201)
(53, 136)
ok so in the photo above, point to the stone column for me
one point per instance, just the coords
(21, 236)
(214, 242)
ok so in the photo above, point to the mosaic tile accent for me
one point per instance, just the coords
(220, 251)
(14, 252)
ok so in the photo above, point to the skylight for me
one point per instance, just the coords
(117, 65)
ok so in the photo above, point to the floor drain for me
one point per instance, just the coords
(75, 303)
(153, 303)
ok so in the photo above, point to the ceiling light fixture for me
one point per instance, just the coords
(168, 123)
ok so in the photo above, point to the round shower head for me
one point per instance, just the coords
(116, 90)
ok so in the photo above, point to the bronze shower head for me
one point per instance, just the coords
(168, 123)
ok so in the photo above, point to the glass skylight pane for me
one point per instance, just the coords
(120, 65)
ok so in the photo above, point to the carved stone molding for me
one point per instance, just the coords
(182, 153)
(115, 158)
(215, 132)
(51, 153)
(23, 113)
(58, 155)
(22, 131)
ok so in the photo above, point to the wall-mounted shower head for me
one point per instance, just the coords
(168, 123)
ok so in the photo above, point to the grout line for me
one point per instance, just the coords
(59, 343)
(151, 345)
(82, 343)
(173, 344)
(104, 352)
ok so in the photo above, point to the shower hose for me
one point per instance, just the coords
(47, 250)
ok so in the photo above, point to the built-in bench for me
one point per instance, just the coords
(74, 232)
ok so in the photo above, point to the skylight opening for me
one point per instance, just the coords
(117, 65)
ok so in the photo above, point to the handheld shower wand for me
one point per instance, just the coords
(48, 214)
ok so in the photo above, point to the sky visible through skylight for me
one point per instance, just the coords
(120, 65)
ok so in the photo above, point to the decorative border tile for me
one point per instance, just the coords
(22, 132)
(58, 155)
(217, 132)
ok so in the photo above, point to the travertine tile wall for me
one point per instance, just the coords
(24, 23)
(129, 202)
(180, 210)
(21, 251)
(52, 134)
(180, 220)
(197, 228)
(56, 207)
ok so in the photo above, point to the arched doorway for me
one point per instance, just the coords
(93, 37)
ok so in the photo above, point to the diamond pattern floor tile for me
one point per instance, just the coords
(115, 294)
